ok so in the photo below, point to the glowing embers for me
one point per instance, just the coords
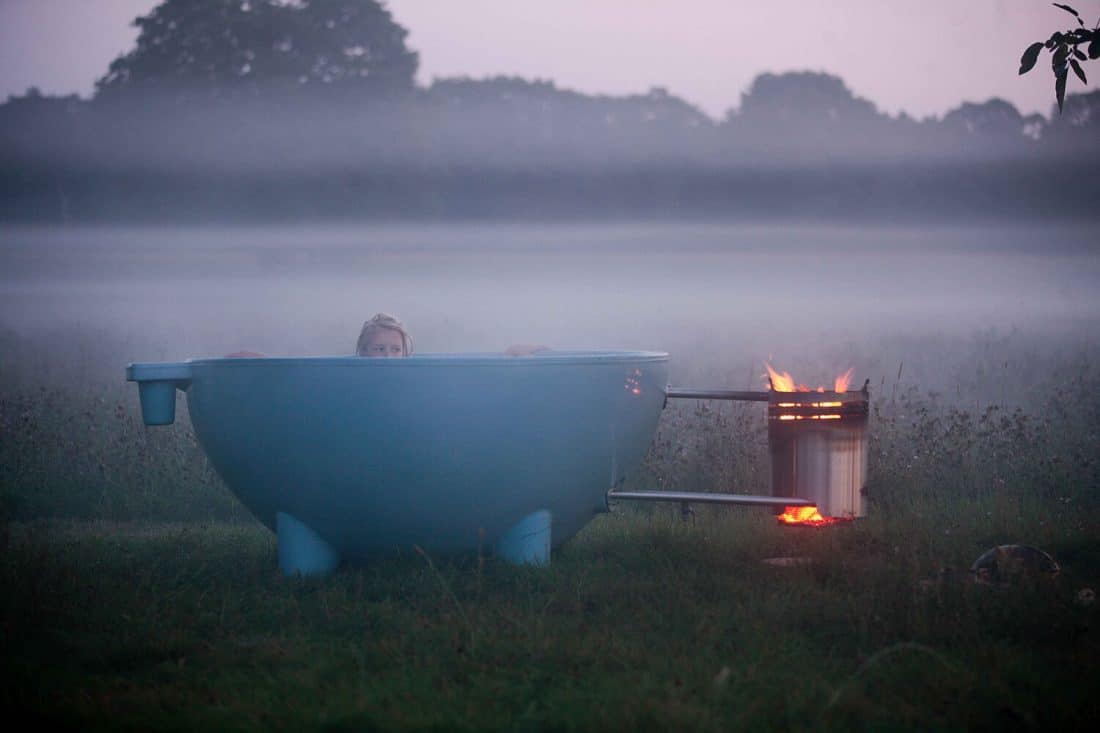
(808, 417)
(838, 406)
(808, 516)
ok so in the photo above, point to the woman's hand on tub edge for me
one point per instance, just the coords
(524, 349)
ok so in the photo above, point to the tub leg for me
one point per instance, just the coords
(528, 541)
(301, 550)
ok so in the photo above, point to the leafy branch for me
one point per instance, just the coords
(1065, 52)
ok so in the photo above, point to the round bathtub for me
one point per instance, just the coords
(346, 456)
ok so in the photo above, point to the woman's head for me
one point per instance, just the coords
(384, 336)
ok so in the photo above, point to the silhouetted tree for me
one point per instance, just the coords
(235, 47)
(995, 120)
(803, 97)
(798, 114)
(1076, 130)
(511, 120)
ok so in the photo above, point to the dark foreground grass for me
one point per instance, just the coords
(641, 622)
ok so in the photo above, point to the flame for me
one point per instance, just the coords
(784, 382)
(781, 382)
(842, 381)
(807, 516)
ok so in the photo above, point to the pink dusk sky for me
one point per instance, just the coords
(922, 57)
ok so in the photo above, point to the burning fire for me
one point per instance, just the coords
(784, 382)
(841, 382)
(807, 516)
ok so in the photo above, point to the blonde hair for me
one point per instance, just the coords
(379, 322)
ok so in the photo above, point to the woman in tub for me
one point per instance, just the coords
(384, 336)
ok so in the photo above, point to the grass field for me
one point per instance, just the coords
(138, 594)
(642, 622)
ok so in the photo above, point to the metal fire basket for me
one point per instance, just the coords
(817, 443)
(818, 447)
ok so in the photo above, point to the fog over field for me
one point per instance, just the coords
(722, 298)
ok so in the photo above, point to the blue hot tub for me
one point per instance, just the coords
(354, 457)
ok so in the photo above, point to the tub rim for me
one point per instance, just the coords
(459, 359)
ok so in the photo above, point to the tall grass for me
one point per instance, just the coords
(74, 445)
(85, 453)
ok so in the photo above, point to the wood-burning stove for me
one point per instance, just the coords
(817, 442)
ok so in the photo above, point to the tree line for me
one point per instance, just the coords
(258, 109)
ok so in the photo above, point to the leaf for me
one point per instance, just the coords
(1058, 62)
(1094, 48)
(1079, 71)
(1078, 55)
(1031, 55)
(1060, 91)
(1067, 8)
